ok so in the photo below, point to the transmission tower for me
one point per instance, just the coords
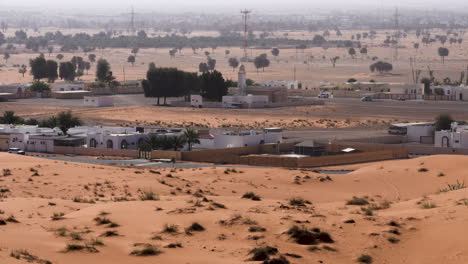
(397, 34)
(245, 14)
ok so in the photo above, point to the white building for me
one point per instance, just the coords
(98, 101)
(281, 83)
(417, 131)
(249, 138)
(196, 101)
(41, 143)
(457, 137)
(68, 87)
(244, 101)
(114, 140)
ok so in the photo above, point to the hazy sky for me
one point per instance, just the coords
(213, 5)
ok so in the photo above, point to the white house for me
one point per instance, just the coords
(416, 131)
(281, 83)
(114, 141)
(248, 138)
(98, 101)
(457, 137)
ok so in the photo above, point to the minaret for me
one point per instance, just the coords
(242, 80)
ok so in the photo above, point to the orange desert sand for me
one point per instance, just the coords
(407, 207)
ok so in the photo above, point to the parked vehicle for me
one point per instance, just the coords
(366, 99)
(324, 95)
(16, 151)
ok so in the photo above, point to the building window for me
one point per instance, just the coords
(110, 144)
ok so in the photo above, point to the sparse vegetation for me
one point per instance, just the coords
(147, 250)
(303, 236)
(365, 259)
(358, 201)
(252, 196)
(171, 229)
(57, 216)
(298, 201)
(453, 187)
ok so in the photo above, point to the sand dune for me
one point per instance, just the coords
(397, 190)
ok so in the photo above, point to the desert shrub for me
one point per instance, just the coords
(454, 187)
(357, 201)
(364, 259)
(24, 254)
(57, 216)
(149, 196)
(62, 231)
(110, 233)
(147, 250)
(328, 248)
(278, 260)
(257, 229)
(174, 245)
(393, 223)
(195, 227)
(102, 220)
(75, 236)
(252, 196)
(262, 253)
(393, 240)
(6, 172)
(423, 170)
(303, 236)
(218, 205)
(74, 247)
(172, 229)
(428, 205)
(298, 201)
(12, 219)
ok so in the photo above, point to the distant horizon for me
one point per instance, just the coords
(210, 6)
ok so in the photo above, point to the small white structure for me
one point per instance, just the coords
(196, 101)
(457, 137)
(281, 83)
(98, 101)
(41, 143)
(416, 131)
(244, 101)
(249, 138)
(68, 87)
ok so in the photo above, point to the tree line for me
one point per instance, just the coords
(171, 82)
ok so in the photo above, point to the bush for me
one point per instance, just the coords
(357, 201)
(263, 253)
(365, 259)
(195, 227)
(443, 122)
(393, 240)
(254, 229)
(279, 260)
(454, 187)
(172, 229)
(57, 216)
(298, 201)
(305, 237)
(149, 196)
(110, 233)
(252, 196)
(148, 250)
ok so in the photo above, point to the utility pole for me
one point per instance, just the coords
(245, 14)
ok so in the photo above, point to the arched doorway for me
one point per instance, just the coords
(124, 144)
(445, 142)
(92, 143)
(110, 144)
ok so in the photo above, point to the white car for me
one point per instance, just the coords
(366, 99)
(324, 95)
(16, 151)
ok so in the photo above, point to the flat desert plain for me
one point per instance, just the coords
(310, 66)
(393, 212)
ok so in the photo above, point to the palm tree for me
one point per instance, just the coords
(9, 117)
(192, 137)
(174, 142)
(151, 142)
